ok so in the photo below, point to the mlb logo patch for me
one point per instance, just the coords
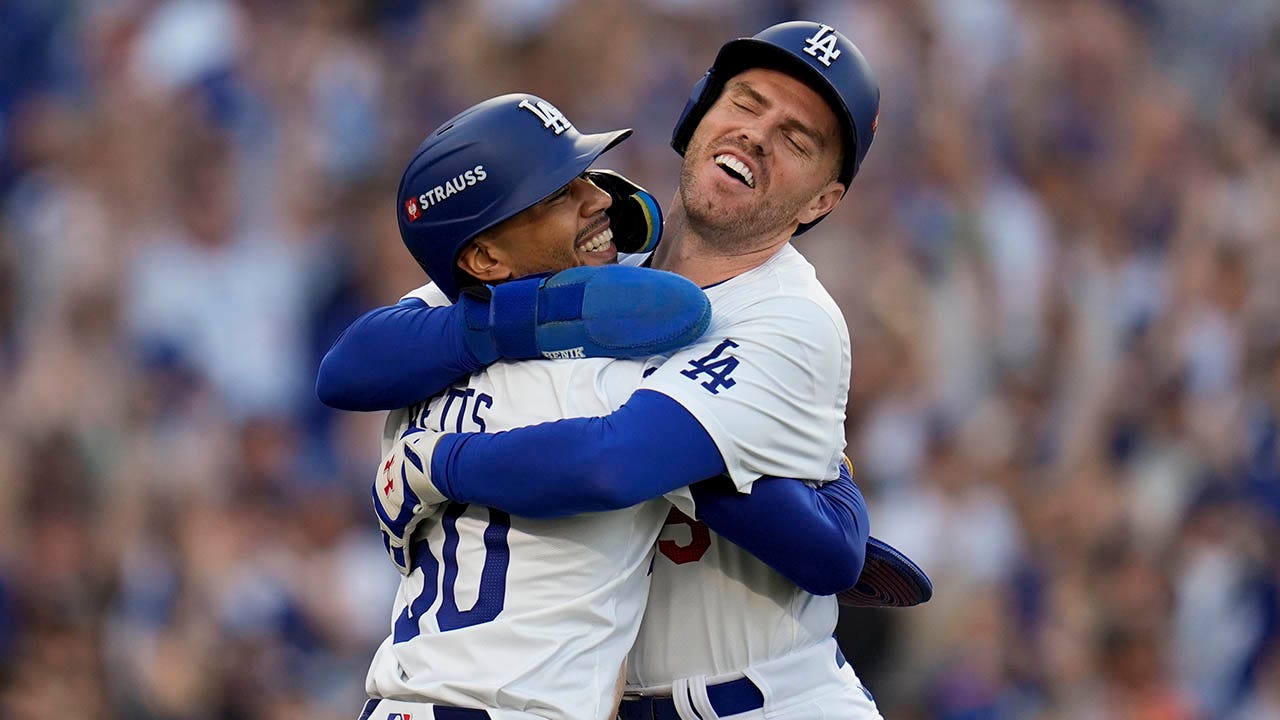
(411, 209)
(399, 716)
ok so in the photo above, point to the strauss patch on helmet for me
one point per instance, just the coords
(415, 207)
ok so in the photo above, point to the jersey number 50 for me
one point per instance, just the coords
(493, 578)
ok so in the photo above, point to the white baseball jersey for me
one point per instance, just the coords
(509, 612)
(768, 382)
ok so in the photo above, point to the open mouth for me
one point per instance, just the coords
(597, 242)
(736, 169)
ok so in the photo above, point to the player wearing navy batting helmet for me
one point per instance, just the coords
(827, 61)
(501, 190)
(492, 162)
(819, 55)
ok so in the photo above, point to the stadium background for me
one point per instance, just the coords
(1059, 267)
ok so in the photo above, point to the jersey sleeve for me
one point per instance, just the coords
(682, 499)
(769, 389)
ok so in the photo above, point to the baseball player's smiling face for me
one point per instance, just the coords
(764, 157)
(567, 229)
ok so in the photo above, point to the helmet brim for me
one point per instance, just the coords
(889, 579)
(587, 148)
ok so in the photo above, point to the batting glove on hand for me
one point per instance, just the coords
(403, 495)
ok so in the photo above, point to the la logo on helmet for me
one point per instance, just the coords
(551, 117)
(825, 41)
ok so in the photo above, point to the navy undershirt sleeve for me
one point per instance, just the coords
(815, 537)
(649, 446)
(396, 356)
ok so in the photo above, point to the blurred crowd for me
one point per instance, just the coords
(1066, 386)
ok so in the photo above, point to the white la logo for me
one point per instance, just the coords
(825, 42)
(548, 114)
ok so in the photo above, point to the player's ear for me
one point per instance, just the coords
(822, 203)
(484, 261)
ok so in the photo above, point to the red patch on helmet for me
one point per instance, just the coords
(411, 209)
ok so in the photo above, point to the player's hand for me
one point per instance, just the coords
(403, 495)
(608, 311)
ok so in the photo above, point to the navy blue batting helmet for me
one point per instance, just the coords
(485, 165)
(816, 54)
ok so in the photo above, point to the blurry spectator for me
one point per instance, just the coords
(229, 299)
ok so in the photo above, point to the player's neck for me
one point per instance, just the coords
(685, 252)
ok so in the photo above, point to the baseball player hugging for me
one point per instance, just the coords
(677, 490)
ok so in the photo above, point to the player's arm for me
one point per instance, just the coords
(814, 537)
(754, 417)
(400, 355)
(648, 447)
(397, 356)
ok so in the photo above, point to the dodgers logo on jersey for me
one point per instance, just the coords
(716, 367)
(551, 118)
(825, 41)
